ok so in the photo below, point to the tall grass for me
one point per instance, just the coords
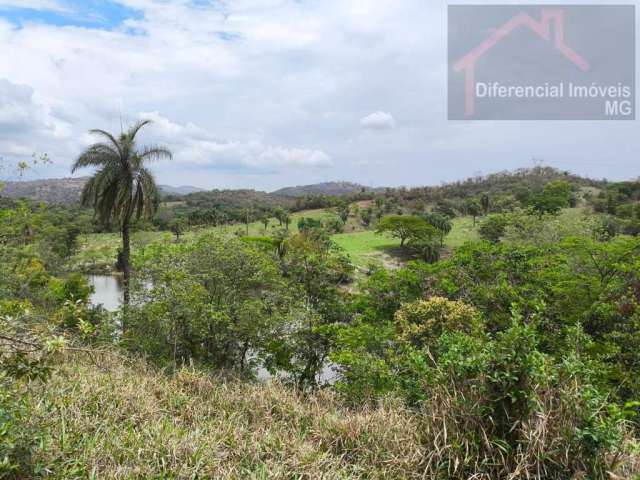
(110, 417)
(119, 418)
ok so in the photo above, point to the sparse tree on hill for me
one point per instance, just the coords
(485, 203)
(246, 218)
(265, 221)
(343, 211)
(177, 227)
(440, 223)
(366, 216)
(403, 227)
(286, 219)
(279, 213)
(472, 208)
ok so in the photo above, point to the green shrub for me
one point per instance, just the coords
(421, 323)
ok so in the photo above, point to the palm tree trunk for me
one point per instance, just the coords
(126, 264)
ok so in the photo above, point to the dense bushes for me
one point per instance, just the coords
(505, 405)
(239, 304)
(522, 352)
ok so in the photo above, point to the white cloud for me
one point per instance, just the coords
(378, 121)
(24, 122)
(299, 157)
(265, 93)
(195, 146)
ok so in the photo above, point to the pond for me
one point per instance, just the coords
(107, 291)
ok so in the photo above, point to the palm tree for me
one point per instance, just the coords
(122, 188)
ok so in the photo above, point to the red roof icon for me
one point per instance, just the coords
(522, 19)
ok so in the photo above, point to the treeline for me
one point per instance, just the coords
(221, 207)
(494, 193)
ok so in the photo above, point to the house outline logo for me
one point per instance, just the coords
(542, 28)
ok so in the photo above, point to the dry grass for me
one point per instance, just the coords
(117, 418)
(462, 445)
(125, 420)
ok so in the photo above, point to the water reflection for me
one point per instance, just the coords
(107, 291)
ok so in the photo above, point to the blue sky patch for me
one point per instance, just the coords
(98, 14)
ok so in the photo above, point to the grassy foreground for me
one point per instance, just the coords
(122, 419)
(112, 417)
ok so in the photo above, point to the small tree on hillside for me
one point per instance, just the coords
(279, 214)
(493, 228)
(246, 218)
(402, 227)
(440, 223)
(554, 197)
(472, 207)
(177, 227)
(485, 204)
(264, 219)
(343, 212)
(366, 216)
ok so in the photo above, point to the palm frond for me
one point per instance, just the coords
(147, 196)
(95, 156)
(156, 153)
(122, 187)
(133, 131)
(104, 185)
(109, 137)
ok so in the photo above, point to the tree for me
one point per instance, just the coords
(485, 204)
(343, 211)
(279, 214)
(305, 224)
(365, 216)
(122, 188)
(177, 227)
(440, 223)
(246, 218)
(403, 227)
(493, 228)
(265, 221)
(554, 197)
(426, 247)
(421, 323)
(286, 219)
(445, 207)
(472, 208)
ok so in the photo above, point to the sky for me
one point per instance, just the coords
(268, 93)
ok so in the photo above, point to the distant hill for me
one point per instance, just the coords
(66, 191)
(238, 199)
(183, 190)
(326, 188)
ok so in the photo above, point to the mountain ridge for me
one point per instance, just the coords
(334, 188)
(67, 190)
